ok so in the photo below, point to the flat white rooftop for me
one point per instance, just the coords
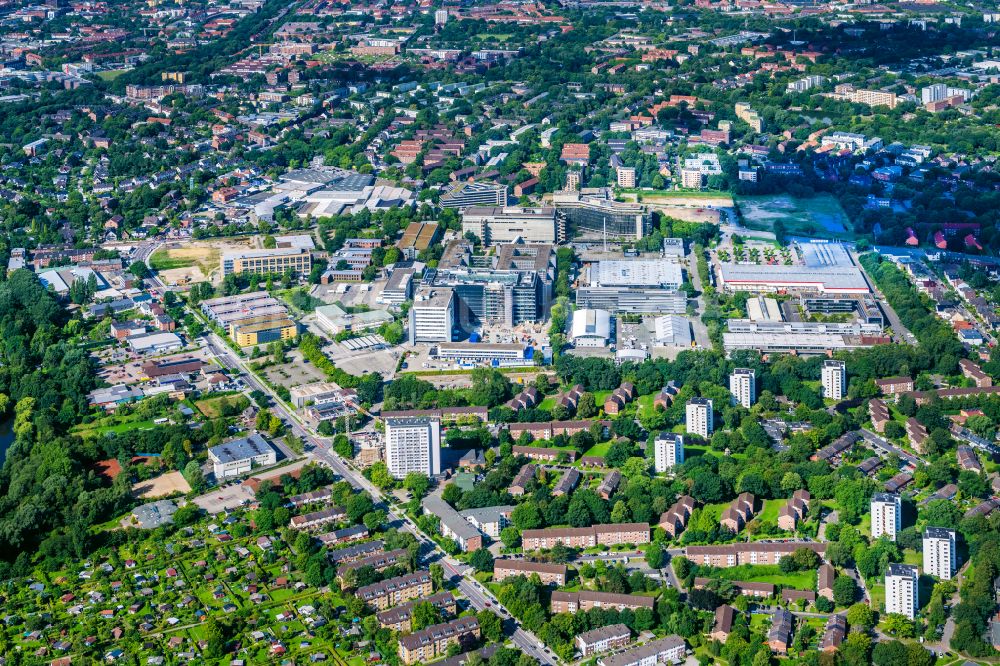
(636, 273)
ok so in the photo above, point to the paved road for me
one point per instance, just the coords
(902, 333)
(319, 449)
(949, 626)
(699, 328)
(829, 519)
(882, 445)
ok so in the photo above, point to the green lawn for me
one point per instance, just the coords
(598, 450)
(113, 424)
(691, 451)
(162, 261)
(877, 593)
(210, 407)
(111, 75)
(800, 580)
(769, 573)
(769, 514)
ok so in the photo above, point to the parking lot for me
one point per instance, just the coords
(131, 372)
(225, 498)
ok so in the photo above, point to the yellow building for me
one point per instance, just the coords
(262, 330)
(276, 261)
(432, 642)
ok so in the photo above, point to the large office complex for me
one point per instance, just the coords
(495, 225)
(886, 513)
(260, 262)
(634, 286)
(939, 552)
(699, 416)
(251, 319)
(743, 386)
(511, 287)
(432, 316)
(466, 195)
(668, 451)
(834, 376)
(596, 216)
(413, 444)
(901, 594)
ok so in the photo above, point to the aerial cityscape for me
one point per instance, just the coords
(500, 332)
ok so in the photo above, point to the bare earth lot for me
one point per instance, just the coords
(161, 486)
(194, 261)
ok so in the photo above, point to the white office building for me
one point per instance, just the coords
(886, 515)
(698, 413)
(901, 590)
(668, 450)
(743, 386)
(413, 444)
(834, 380)
(432, 315)
(939, 552)
(240, 456)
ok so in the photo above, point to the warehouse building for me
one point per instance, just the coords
(591, 328)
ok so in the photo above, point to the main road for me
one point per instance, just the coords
(319, 449)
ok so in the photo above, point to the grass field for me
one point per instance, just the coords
(769, 573)
(598, 450)
(769, 514)
(111, 74)
(111, 424)
(162, 261)
(205, 257)
(819, 216)
(800, 580)
(211, 407)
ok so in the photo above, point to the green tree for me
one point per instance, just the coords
(586, 407)
(140, 270)
(845, 590)
(490, 387)
(490, 625)
(424, 615)
(417, 484)
(194, 476)
(510, 536)
(481, 560)
(380, 476)
(861, 616)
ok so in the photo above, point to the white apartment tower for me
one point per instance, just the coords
(699, 417)
(743, 386)
(432, 315)
(939, 552)
(668, 450)
(901, 590)
(413, 444)
(834, 379)
(886, 515)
